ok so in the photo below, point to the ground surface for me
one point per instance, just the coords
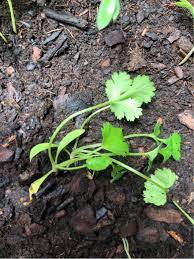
(35, 97)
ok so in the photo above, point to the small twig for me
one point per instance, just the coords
(187, 56)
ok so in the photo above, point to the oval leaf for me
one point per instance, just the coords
(39, 148)
(68, 139)
(108, 11)
(98, 163)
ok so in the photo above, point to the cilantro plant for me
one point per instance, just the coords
(125, 98)
(12, 20)
(108, 12)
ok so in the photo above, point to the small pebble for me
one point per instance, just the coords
(152, 35)
(30, 66)
(101, 213)
(179, 72)
(172, 80)
(114, 38)
(147, 44)
(175, 35)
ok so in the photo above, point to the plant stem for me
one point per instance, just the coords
(137, 173)
(12, 15)
(62, 124)
(187, 56)
(142, 135)
(70, 168)
(183, 212)
(87, 120)
(126, 247)
(3, 37)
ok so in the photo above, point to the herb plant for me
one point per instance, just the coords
(125, 98)
(12, 20)
(108, 12)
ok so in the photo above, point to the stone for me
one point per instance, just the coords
(175, 35)
(114, 37)
(179, 72)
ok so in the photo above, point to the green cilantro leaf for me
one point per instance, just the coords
(173, 146)
(185, 4)
(130, 109)
(142, 89)
(113, 140)
(127, 95)
(154, 194)
(151, 156)
(108, 11)
(117, 173)
(157, 128)
(98, 163)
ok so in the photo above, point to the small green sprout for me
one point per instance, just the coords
(125, 98)
(12, 20)
(126, 247)
(108, 12)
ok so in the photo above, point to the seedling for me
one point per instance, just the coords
(125, 98)
(108, 12)
(12, 20)
(126, 247)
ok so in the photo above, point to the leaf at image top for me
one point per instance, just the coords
(108, 11)
(127, 95)
(173, 147)
(154, 194)
(98, 163)
(113, 140)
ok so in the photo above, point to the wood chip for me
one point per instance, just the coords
(176, 236)
(187, 118)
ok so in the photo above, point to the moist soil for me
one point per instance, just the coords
(73, 216)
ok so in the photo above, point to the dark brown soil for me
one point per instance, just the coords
(34, 99)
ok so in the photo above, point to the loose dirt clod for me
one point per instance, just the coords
(114, 37)
(6, 155)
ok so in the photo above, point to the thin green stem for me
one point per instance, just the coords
(62, 124)
(137, 173)
(183, 212)
(126, 247)
(3, 37)
(142, 135)
(86, 121)
(187, 56)
(12, 16)
(70, 168)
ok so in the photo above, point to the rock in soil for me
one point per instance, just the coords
(187, 118)
(6, 155)
(114, 38)
(164, 215)
(184, 43)
(137, 60)
(175, 35)
(179, 72)
(172, 80)
(84, 220)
